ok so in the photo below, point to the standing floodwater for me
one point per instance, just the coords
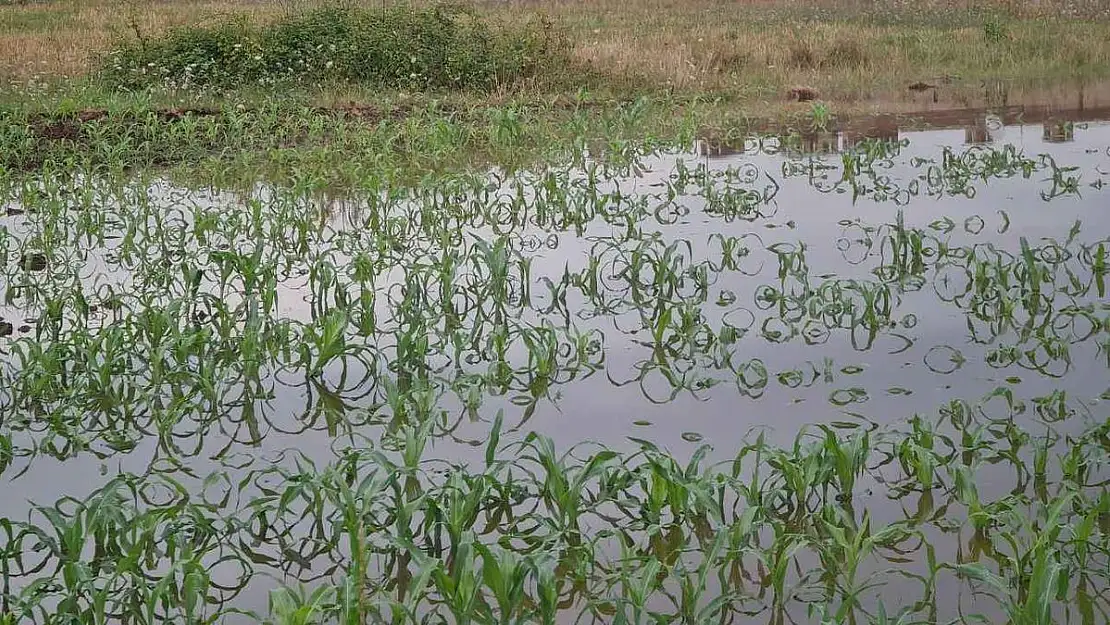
(814, 378)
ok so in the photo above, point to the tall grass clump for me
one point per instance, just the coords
(845, 54)
(801, 56)
(442, 47)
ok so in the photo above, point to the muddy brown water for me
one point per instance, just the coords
(810, 234)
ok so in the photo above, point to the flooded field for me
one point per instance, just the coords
(854, 376)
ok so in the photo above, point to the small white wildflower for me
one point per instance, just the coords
(329, 64)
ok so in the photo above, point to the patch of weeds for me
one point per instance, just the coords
(995, 31)
(846, 54)
(1081, 59)
(724, 60)
(433, 48)
(801, 56)
(820, 115)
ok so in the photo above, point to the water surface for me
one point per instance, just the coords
(853, 280)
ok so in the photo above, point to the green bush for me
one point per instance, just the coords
(442, 47)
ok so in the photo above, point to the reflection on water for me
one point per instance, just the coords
(980, 126)
(883, 129)
(913, 326)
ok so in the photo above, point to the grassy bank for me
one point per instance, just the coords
(751, 49)
(747, 50)
(336, 146)
(504, 77)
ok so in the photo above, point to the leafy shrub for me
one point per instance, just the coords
(441, 47)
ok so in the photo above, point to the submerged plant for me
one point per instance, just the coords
(820, 115)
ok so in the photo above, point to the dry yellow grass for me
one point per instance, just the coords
(748, 49)
(63, 38)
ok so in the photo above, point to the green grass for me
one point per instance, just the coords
(280, 139)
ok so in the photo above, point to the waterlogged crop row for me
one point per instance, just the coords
(144, 310)
(534, 534)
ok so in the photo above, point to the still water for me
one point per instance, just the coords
(765, 287)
